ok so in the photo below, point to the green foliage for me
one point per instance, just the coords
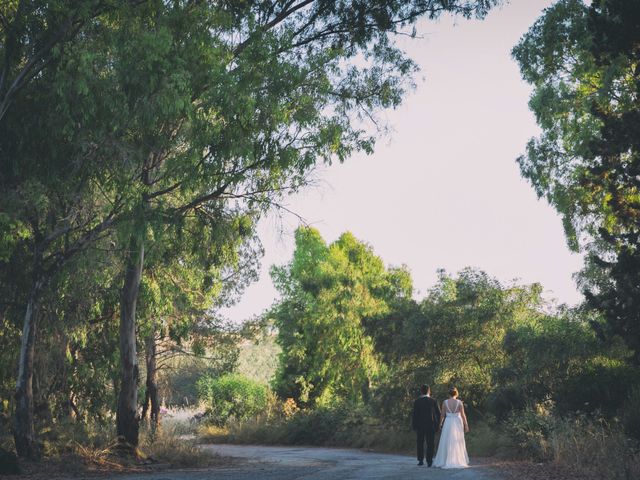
(179, 375)
(531, 429)
(559, 358)
(231, 397)
(503, 347)
(454, 336)
(581, 61)
(328, 291)
(258, 358)
(169, 128)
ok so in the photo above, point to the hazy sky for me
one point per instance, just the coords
(444, 191)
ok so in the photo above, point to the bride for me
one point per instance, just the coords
(452, 449)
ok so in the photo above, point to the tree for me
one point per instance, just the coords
(34, 35)
(267, 92)
(582, 62)
(328, 292)
(205, 107)
(56, 197)
(457, 336)
(558, 357)
(191, 271)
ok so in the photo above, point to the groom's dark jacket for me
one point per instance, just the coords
(426, 414)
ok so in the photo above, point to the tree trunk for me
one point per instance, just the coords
(127, 419)
(152, 382)
(23, 431)
(145, 405)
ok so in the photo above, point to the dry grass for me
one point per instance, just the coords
(368, 435)
(214, 434)
(595, 449)
(169, 445)
(588, 446)
(577, 448)
(76, 450)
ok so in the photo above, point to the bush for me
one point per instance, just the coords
(589, 446)
(594, 448)
(177, 383)
(338, 426)
(232, 397)
(487, 439)
(530, 429)
(602, 385)
(505, 399)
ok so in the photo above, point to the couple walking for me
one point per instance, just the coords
(428, 418)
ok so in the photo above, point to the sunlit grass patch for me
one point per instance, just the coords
(170, 445)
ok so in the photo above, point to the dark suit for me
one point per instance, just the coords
(425, 420)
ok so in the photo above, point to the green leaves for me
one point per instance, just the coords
(582, 62)
(231, 397)
(176, 125)
(328, 292)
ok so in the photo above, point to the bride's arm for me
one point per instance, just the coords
(464, 417)
(442, 415)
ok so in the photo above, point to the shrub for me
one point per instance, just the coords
(232, 397)
(177, 383)
(602, 385)
(487, 439)
(289, 408)
(530, 429)
(505, 399)
(589, 446)
(338, 426)
(594, 448)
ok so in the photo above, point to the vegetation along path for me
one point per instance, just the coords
(310, 463)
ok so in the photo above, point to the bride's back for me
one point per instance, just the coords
(452, 409)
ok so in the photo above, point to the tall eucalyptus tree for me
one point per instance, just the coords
(155, 112)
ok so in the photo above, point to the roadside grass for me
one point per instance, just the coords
(77, 448)
(584, 447)
(353, 430)
(316, 428)
(171, 445)
(589, 446)
(594, 449)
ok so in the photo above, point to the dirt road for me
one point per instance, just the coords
(309, 463)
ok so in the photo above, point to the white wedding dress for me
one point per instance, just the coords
(452, 449)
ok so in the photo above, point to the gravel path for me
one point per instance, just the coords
(309, 463)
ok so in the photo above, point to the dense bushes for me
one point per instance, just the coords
(231, 397)
(537, 380)
(591, 445)
(338, 425)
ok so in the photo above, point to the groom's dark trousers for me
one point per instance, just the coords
(425, 420)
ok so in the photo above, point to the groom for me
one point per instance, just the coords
(425, 420)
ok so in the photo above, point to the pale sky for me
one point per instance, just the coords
(444, 191)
